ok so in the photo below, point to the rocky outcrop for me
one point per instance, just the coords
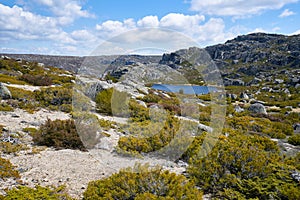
(276, 49)
(4, 92)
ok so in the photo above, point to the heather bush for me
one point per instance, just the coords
(59, 134)
(38, 80)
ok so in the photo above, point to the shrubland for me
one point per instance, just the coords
(142, 182)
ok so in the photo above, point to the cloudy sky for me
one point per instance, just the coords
(78, 27)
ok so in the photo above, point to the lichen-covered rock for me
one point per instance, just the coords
(4, 92)
(257, 108)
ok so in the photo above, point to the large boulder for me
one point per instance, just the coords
(257, 108)
(4, 92)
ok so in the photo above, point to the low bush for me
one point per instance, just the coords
(5, 107)
(7, 170)
(294, 140)
(37, 80)
(56, 98)
(142, 183)
(9, 148)
(244, 167)
(151, 137)
(60, 134)
(113, 102)
(37, 193)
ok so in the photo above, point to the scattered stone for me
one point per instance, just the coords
(15, 115)
(278, 81)
(182, 164)
(205, 128)
(296, 175)
(257, 108)
(296, 128)
(4, 92)
(238, 109)
(141, 103)
(244, 96)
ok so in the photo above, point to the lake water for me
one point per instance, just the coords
(187, 89)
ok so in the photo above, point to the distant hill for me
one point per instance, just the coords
(257, 55)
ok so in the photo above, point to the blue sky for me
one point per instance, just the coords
(78, 27)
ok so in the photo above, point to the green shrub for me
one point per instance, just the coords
(59, 134)
(138, 113)
(205, 97)
(38, 80)
(294, 140)
(113, 102)
(9, 148)
(5, 107)
(244, 167)
(7, 170)
(56, 98)
(151, 137)
(37, 193)
(10, 79)
(103, 101)
(142, 182)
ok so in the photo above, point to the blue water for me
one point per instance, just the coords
(187, 89)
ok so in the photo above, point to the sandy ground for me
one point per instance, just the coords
(75, 168)
(19, 119)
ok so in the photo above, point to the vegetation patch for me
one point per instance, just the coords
(7, 170)
(142, 183)
(60, 134)
(244, 167)
(39, 192)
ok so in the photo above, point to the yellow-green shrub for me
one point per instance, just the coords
(7, 170)
(294, 140)
(139, 182)
(37, 193)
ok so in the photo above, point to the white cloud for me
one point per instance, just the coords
(296, 32)
(286, 13)
(66, 11)
(258, 30)
(181, 22)
(148, 21)
(237, 8)
(16, 22)
(193, 26)
(275, 29)
(112, 28)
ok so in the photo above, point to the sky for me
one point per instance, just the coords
(83, 27)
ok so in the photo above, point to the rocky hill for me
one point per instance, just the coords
(240, 60)
(257, 55)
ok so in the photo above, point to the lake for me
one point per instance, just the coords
(187, 89)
